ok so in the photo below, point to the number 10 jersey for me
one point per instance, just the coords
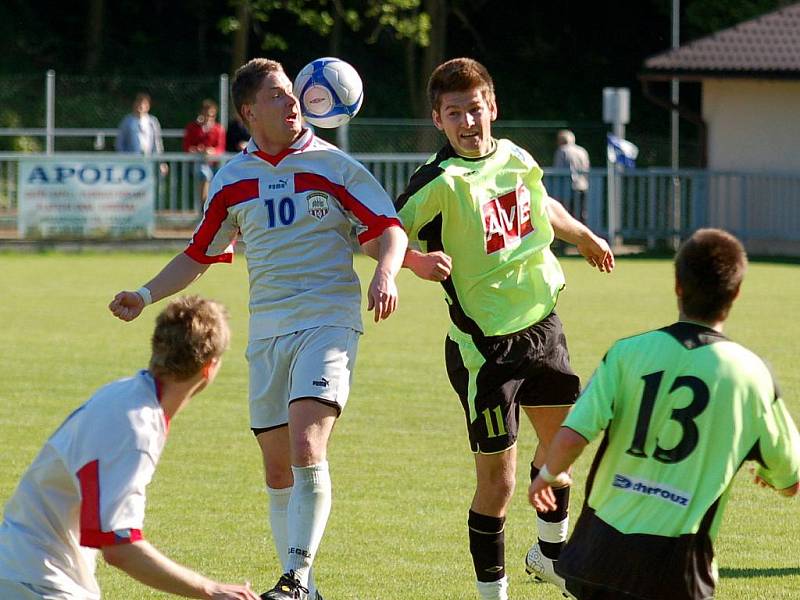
(297, 213)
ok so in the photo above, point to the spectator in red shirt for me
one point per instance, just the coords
(207, 137)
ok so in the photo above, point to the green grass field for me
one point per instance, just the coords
(400, 462)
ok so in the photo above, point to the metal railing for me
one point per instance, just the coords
(655, 207)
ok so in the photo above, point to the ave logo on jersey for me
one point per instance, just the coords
(318, 204)
(507, 219)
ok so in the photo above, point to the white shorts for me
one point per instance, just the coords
(313, 363)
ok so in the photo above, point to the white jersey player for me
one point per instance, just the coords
(296, 213)
(298, 204)
(85, 491)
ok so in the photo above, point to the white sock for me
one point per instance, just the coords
(279, 524)
(278, 505)
(309, 507)
(493, 590)
(555, 533)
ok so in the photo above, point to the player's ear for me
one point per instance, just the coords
(247, 112)
(210, 368)
(493, 107)
(437, 119)
(678, 289)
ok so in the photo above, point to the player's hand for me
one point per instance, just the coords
(541, 496)
(382, 295)
(433, 266)
(126, 306)
(597, 253)
(223, 591)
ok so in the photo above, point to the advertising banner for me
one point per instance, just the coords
(92, 198)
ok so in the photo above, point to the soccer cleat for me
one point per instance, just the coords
(543, 570)
(287, 588)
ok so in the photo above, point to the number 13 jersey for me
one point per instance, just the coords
(682, 408)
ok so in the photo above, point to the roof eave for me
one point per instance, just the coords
(700, 74)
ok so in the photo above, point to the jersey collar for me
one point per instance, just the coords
(299, 144)
(491, 151)
(158, 386)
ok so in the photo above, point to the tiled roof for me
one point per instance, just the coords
(768, 45)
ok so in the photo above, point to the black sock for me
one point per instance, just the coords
(487, 546)
(552, 550)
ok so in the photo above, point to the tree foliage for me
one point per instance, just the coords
(400, 17)
(550, 60)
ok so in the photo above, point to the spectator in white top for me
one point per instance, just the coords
(85, 491)
(570, 155)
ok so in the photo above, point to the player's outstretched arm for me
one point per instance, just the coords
(564, 450)
(175, 276)
(144, 563)
(389, 252)
(566, 227)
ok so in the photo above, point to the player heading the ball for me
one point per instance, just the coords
(299, 204)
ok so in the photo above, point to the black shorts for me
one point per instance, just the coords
(584, 591)
(494, 376)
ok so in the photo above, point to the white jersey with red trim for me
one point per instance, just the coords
(296, 212)
(85, 490)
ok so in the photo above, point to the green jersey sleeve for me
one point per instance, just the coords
(420, 204)
(594, 408)
(779, 446)
(533, 181)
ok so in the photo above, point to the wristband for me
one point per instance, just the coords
(561, 479)
(144, 292)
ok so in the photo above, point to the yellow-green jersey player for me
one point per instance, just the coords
(681, 409)
(485, 223)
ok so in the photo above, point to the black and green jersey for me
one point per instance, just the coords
(682, 408)
(489, 215)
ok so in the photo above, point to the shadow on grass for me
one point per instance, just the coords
(569, 251)
(728, 573)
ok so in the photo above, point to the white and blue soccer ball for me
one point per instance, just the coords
(330, 92)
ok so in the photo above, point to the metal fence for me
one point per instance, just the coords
(655, 207)
(78, 113)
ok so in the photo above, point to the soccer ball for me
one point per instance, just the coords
(330, 92)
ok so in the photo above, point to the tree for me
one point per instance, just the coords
(94, 35)
(707, 16)
(240, 28)
(402, 19)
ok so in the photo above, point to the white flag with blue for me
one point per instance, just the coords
(621, 151)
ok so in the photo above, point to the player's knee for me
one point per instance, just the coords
(496, 488)
(278, 476)
(307, 451)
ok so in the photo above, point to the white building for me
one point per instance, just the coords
(749, 121)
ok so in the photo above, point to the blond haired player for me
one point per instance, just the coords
(85, 491)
